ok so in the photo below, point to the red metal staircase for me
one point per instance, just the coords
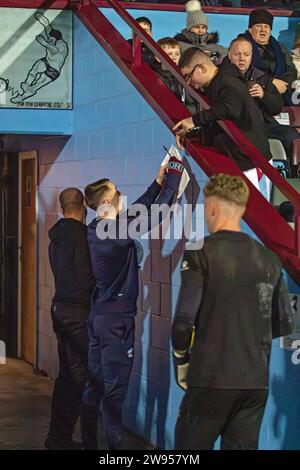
(263, 219)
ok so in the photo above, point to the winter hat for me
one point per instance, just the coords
(260, 16)
(195, 15)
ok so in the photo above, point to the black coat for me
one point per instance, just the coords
(233, 291)
(70, 262)
(147, 54)
(230, 99)
(168, 78)
(268, 60)
(272, 102)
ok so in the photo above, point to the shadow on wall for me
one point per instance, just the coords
(285, 393)
(150, 385)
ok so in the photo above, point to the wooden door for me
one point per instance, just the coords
(27, 304)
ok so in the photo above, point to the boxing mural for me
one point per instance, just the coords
(36, 59)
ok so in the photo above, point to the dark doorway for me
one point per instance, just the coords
(9, 252)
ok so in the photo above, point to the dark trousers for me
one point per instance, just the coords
(205, 414)
(226, 146)
(110, 363)
(285, 134)
(72, 337)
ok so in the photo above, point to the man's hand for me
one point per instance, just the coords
(256, 91)
(41, 18)
(161, 174)
(181, 365)
(181, 129)
(280, 85)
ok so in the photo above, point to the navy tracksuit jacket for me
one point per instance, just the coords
(111, 322)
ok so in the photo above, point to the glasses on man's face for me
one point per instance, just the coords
(188, 76)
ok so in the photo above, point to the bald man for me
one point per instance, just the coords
(71, 266)
(264, 93)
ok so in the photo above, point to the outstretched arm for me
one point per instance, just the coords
(43, 20)
(153, 190)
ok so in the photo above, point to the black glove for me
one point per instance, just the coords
(181, 366)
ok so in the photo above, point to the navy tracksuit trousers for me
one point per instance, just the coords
(111, 352)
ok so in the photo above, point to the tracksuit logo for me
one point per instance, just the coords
(130, 353)
(176, 166)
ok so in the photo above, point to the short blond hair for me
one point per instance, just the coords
(228, 188)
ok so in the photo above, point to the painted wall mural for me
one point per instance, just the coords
(36, 59)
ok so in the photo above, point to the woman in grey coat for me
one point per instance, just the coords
(196, 33)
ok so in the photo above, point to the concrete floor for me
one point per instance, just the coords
(25, 399)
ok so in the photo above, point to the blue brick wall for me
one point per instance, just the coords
(115, 134)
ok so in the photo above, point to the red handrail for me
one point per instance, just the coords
(231, 129)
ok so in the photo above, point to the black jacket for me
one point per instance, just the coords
(70, 263)
(169, 79)
(272, 102)
(147, 54)
(230, 99)
(275, 60)
(175, 87)
(233, 291)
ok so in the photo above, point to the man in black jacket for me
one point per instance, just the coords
(269, 55)
(71, 266)
(234, 299)
(229, 99)
(264, 92)
(147, 54)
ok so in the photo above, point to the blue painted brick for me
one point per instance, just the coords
(96, 144)
(82, 146)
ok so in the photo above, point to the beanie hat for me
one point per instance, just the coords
(260, 16)
(195, 15)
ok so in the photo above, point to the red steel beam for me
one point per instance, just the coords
(63, 4)
(231, 129)
(36, 4)
(260, 215)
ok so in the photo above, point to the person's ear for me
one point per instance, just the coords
(243, 210)
(61, 211)
(213, 208)
(203, 68)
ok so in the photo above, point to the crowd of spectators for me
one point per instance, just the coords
(249, 83)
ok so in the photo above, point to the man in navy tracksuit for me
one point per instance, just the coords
(113, 306)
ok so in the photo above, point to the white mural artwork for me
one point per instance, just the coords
(36, 58)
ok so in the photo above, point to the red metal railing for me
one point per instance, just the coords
(62, 4)
(260, 216)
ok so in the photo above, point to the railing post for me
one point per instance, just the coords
(136, 50)
(77, 4)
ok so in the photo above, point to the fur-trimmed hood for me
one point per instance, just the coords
(188, 36)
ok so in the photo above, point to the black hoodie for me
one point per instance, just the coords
(230, 99)
(70, 263)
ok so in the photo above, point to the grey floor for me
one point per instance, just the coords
(25, 399)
